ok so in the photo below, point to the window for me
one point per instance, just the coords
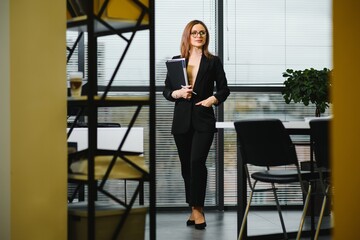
(170, 19)
(262, 38)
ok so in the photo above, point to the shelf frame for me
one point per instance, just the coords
(88, 105)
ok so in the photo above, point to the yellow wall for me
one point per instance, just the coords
(34, 78)
(346, 128)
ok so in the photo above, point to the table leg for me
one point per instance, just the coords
(241, 193)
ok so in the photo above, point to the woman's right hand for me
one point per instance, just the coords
(185, 92)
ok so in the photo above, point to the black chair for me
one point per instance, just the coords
(320, 140)
(266, 143)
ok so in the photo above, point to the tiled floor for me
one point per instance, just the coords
(223, 225)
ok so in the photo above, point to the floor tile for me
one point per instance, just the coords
(223, 225)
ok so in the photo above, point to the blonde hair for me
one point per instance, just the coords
(185, 40)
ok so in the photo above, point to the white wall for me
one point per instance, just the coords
(4, 122)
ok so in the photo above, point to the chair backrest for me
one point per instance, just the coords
(265, 142)
(320, 137)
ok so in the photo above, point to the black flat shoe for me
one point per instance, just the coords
(190, 222)
(200, 226)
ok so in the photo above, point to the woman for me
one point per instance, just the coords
(194, 120)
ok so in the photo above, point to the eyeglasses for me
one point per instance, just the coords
(196, 33)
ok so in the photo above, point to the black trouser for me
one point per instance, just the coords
(193, 148)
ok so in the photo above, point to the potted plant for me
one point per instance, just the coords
(309, 85)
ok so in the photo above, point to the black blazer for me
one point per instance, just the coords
(186, 113)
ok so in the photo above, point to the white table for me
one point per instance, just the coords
(109, 138)
(293, 125)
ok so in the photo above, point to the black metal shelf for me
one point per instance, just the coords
(109, 101)
(131, 167)
(97, 25)
(79, 24)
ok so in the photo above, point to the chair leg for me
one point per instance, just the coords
(321, 214)
(279, 211)
(242, 229)
(302, 220)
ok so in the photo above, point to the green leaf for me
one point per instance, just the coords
(308, 85)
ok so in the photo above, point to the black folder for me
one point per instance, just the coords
(177, 73)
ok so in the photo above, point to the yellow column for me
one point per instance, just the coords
(34, 81)
(346, 128)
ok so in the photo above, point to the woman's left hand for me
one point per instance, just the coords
(208, 102)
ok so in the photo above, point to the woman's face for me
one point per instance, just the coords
(198, 36)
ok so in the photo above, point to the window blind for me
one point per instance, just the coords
(262, 38)
(170, 19)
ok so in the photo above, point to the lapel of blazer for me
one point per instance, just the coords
(204, 64)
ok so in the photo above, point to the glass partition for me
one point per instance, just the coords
(261, 39)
